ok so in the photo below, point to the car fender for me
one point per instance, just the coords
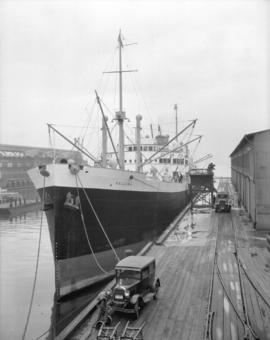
(134, 298)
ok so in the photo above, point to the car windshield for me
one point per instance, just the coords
(127, 281)
(222, 195)
(127, 276)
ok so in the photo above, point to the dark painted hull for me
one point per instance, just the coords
(131, 207)
(130, 219)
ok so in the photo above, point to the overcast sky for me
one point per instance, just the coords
(209, 57)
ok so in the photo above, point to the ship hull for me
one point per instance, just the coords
(129, 208)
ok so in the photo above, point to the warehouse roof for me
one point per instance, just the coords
(247, 139)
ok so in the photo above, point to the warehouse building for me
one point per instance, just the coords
(16, 160)
(250, 166)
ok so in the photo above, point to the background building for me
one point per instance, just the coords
(15, 160)
(250, 166)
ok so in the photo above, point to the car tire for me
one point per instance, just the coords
(137, 309)
(157, 285)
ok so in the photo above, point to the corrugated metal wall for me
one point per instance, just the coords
(250, 164)
(262, 161)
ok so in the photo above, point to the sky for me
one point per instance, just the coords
(209, 57)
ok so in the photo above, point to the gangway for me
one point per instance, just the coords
(132, 333)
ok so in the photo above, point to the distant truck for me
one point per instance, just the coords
(223, 202)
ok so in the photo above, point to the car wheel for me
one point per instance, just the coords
(157, 285)
(137, 309)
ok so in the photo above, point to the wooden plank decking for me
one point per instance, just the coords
(184, 266)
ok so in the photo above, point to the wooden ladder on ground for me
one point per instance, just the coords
(132, 333)
(108, 333)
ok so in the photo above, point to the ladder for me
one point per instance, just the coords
(132, 333)
(107, 333)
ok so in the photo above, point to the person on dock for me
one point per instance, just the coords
(105, 309)
(214, 200)
(180, 177)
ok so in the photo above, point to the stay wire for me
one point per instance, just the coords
(44, 333)
(36, 269)
(139, 92)
(108, 63)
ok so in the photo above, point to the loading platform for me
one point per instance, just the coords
(214, 283)
(201, 187)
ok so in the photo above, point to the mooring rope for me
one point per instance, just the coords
(99, 222)
(44, 333)
(86, 234)
(36, 269)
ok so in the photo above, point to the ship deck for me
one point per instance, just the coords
(187, 307)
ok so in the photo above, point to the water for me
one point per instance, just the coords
(18, 251)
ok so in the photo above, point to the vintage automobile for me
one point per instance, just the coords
(135, 285)
(223, 202)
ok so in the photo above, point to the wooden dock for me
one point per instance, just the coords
(185, 268)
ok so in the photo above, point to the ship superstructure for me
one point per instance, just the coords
(166, 161)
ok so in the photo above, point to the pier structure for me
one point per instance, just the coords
(250, 171)
(214, 285)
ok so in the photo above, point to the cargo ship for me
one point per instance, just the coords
(99, 214)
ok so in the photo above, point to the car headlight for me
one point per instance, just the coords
(127, 293)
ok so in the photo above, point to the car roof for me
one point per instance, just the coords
(136, 262)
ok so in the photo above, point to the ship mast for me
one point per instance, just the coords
(176, 121)
(120, 115)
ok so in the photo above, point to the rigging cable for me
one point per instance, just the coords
(109, 62)
(44, 333)
(195, 148)
(83, 133)
(99, 222)
(139, 93)
(106, 107)
(36, 269)
(52, 143)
